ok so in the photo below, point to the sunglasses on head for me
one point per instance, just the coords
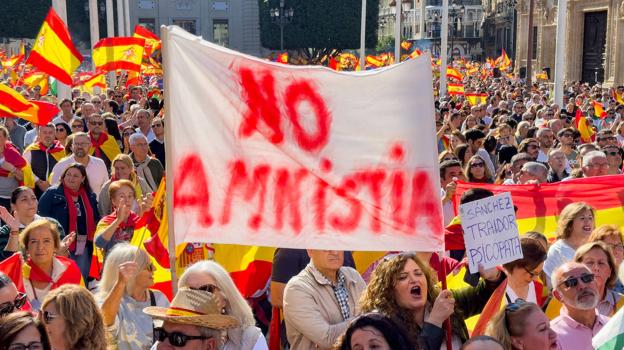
(573, 281)
(9, 307)
(176, 339)
(48, 317)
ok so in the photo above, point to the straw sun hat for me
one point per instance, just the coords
(194, 307)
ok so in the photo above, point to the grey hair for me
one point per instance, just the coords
(535, 168)
(218, 335)
(236, 304)
(541, 131)
(135, 137)
(143, 111)
(121, 253)
(593, 155)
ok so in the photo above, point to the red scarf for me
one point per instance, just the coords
(13, 156)
(73, 213)
(96, 144)
(54, 147)
(71, 275)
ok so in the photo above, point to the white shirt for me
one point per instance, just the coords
(150, 134)
(531, 295)
(558, 254)
(96, 172)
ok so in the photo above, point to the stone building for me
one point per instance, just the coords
(231, 23)
(499, 27)
(594, 39)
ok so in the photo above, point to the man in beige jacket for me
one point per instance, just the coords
(321, 300)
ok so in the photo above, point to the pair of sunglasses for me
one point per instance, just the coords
(176, 339)
(9, 307)
(572, 282)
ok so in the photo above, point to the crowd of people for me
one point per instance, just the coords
(79, 184)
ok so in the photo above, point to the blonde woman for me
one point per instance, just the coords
(72, 319)
(122, 168)
(477, 171)
(124, 292)
(576, 223)
(211, 277)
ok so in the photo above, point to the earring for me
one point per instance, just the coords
(223, 311)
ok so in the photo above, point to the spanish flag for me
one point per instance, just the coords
(282, 58)
(152, 42)
(539, 205)
(373, 61)
(415, 53)
(18, 269)
(503, 62)
(53, 51)
(455, 74)
(476, 98)
(40, 79)
(118, 53)
(104, 147)
(12, 103)
(98, 80)
(455, 89)
(12, 61)
(617, 97)
(406, 45)
(599, 110)
(583, 125)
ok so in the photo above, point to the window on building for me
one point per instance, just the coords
(221, 32)
(190, 25)
(148, 23)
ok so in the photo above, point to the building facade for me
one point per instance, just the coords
(594, 39)
(422, 20)
(230, 23)
(499, 27)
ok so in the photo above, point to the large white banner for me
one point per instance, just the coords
(268, 154)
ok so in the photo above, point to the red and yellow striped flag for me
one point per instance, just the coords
(406, 45)
(40, 79)
(152, 41)
(584, 127)
(415, 53)
(13, 104)
(455, 89)
(540, 205)
(454, 73)
(617, 97)
(12, 61)
(476, 98)
(599, 110)
(118, 53)
(373, 61)
(53, 51)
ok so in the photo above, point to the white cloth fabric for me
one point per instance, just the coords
(531, 295)
(150, 134)
(488, 162)
(558, 254)
(96, 172)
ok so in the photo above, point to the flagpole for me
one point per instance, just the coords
(164, 34)
(120, 18)
(562, 24)
(443, 48)
(62, 90)
(363, 37)
(127, 16)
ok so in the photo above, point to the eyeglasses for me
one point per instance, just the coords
(176, 339)
(48, 317)
(60, 130)
(572, 282)
(533, 146)
(533, 274)
(127, 134)
(609, 138)
(36, 345)
(156, 125)
(209, 287)
(477, 165)
(96, 123)
(616, 246)
(77, 126)
(599, 165)
(8, 307)
(612, 153)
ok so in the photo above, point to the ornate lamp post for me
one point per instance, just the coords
(281, 17)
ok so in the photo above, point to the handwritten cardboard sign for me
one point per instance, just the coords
(490, 232)
(300, 157)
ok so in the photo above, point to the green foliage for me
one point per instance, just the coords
(320, 24)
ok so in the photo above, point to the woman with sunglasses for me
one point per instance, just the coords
(123, 293)
(598, 257)
(211, 277)
(77, 125)
(63, 130)
(522, 325)
(614, 159)
(22, 331)
(523, 274)
(476, 171)
(125, 137)
(10, 299)
(72, 319)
